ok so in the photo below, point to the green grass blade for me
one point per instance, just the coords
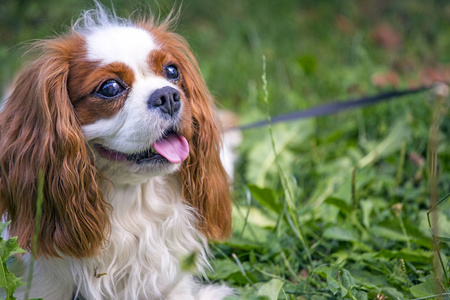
(36, 231)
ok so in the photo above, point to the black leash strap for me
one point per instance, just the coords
(334, 107)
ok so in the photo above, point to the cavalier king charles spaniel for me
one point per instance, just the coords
(117, 117)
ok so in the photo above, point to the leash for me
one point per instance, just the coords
(334, 107)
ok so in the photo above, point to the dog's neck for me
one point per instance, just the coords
(156, 197)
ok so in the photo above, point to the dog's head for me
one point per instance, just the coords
(116, 100)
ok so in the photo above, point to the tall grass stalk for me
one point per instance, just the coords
(397, 209)
(401, 165)
(40, 198)
(291, 217)
(433, 176)
(249, 203)
(241, 268)
(354, 197)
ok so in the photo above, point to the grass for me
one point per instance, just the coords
(327, 208)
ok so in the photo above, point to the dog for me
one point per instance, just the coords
(117, 118)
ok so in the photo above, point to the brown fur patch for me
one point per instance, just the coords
(158, 59)
(39, 132)
(85, 77)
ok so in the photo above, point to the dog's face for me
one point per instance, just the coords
(124, 102)
(128, 87)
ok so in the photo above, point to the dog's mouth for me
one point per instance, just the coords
(171, 148)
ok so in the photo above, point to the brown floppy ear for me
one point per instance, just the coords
(39, 131)
(205, 182)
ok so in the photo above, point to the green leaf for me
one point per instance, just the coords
(388, 233)
(360, 295)
(243, 244)
(308, 63)
(7, 279)
(393, 142)
(424, 289)
(346, 279)
(417, 255)
(333, 285)
(3, 226)
(346, 282)
(338, 280)
(366, 209)
(271, 289)
(340, 234)
(266, 197)
(339, 203)
(261, 158)
(367, 278)
(9, 248)
(392, 293)
(330, 274)
(223, 269)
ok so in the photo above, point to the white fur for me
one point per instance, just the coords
(129, 45)
(231, 140)
(152, 227)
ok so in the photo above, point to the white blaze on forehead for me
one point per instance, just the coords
(129, 45)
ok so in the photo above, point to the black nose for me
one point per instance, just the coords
(166, 99)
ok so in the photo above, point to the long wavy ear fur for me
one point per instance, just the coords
(39, 131)
(205, 182)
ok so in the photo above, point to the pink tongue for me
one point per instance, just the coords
(173, 147)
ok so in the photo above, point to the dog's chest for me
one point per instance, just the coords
(151, 231)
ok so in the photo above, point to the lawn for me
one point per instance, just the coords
(333, 207)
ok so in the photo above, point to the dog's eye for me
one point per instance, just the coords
(110, 89)
(172, 72)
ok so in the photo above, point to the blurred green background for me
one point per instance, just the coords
(344, 214)
(315, 50)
